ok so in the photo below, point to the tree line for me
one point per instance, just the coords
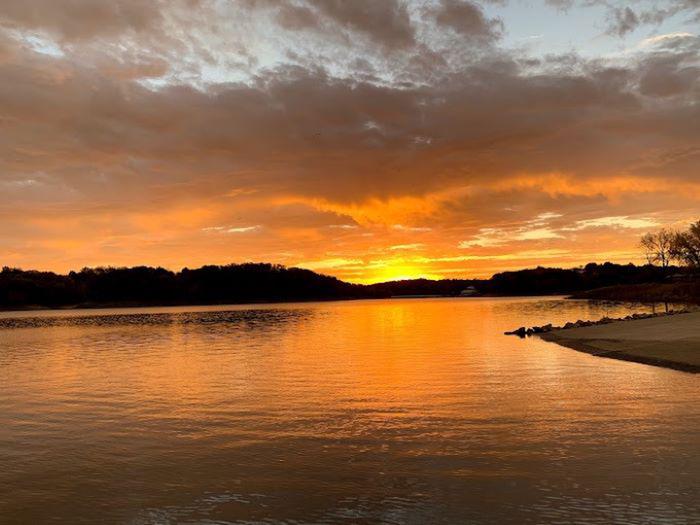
(666, 246)
(261, 282)
(143, 285)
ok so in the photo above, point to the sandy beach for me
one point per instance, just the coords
(671, 342)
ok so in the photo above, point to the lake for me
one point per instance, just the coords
(387, 411)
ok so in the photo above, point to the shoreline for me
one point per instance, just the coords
(666, 341)
(581, 346)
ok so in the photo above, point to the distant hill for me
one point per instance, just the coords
(261, 282)
(417, 287)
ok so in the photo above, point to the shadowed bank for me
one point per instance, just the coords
(668, 341)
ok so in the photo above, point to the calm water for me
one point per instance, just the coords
(400, 411)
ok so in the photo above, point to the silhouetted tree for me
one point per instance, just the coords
(658, 246)
(686, 246)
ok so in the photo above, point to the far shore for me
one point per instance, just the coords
(668, 341)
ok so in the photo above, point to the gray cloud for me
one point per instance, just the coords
(467, 19)
(297, 17)
(386, 23)
(294, 126)
(623, 21)
(668, 76)
(80, 19)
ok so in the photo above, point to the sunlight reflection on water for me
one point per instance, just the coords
(397, 411)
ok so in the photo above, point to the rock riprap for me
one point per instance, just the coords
(525, 331)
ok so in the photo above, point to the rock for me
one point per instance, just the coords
(520, 332)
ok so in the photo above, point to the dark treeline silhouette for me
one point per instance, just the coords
(258, 282)
(157, 286)
(446, 287)
(553, 281)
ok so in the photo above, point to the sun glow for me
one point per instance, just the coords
(396, 271)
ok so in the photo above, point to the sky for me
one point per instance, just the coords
(366, 139)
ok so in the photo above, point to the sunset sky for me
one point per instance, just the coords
(366, 139)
